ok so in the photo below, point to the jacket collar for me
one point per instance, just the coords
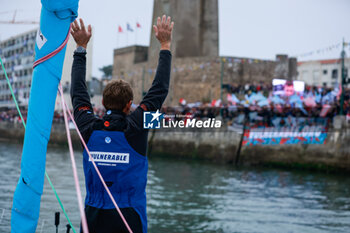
(114, 112)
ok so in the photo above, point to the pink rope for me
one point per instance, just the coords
(53, 53)
(92, 160)
(74, 167)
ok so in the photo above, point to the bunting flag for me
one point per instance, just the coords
(128, 27)
(120, 29)
(138, 25)
(322, 50)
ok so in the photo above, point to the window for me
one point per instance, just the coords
(325, 72)
(334, 73)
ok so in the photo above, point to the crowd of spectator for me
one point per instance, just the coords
(12, 116)
(257, 103)
(312, 102)
(263, 105)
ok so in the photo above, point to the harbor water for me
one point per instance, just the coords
(195, 196)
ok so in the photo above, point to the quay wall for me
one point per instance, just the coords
(220, 146)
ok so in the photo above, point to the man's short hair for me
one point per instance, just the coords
(117, 94)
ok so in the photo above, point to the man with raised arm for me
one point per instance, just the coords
(117, 141)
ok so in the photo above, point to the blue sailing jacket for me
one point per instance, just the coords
(123, 169)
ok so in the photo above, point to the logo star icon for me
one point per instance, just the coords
(156, 115)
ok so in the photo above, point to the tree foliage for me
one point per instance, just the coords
(107, 71)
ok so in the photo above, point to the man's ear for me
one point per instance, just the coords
(127, 107)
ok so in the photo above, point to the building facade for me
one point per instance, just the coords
(322, 72)
(17, 54)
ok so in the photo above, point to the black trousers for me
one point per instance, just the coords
(109, 221)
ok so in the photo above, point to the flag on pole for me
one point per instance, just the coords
(138, 25)
(128, 27)
(120, 29)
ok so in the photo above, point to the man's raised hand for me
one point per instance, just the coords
(79, 33)
(163, 31)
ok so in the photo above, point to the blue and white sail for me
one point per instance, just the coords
(55, 19)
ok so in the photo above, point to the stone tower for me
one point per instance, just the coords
(195, 31)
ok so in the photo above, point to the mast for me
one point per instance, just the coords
(55, 20)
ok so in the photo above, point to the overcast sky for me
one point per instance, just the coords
(249, 28)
